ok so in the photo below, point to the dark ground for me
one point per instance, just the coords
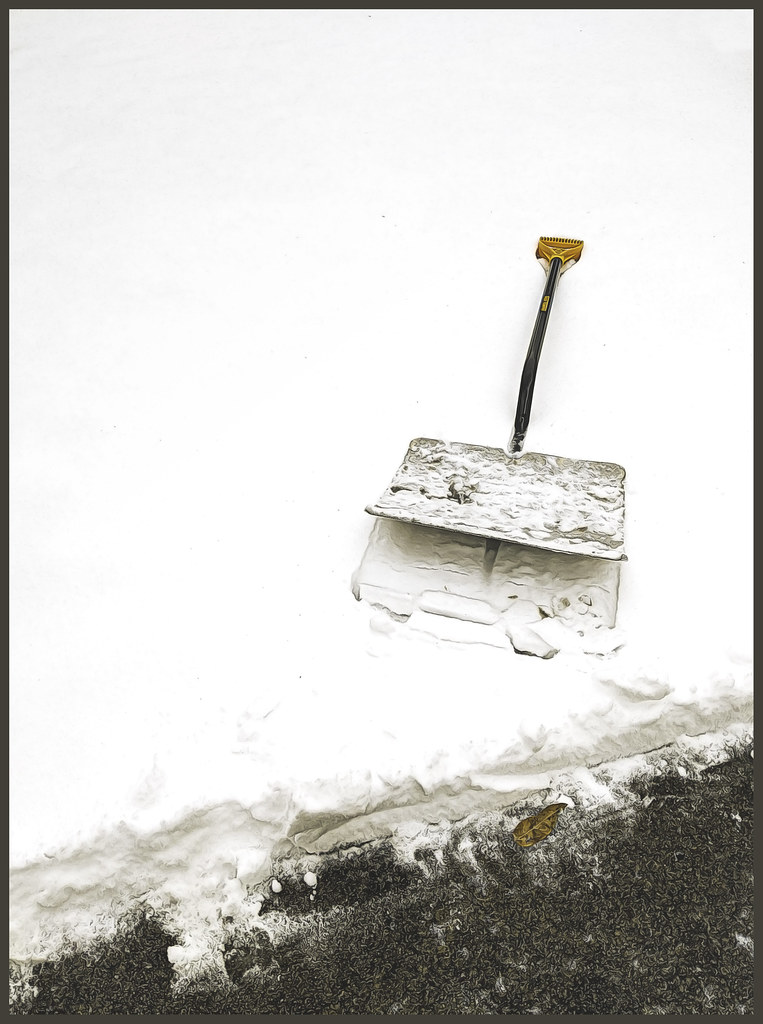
(627, 913)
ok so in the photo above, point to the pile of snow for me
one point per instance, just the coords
(256, 253)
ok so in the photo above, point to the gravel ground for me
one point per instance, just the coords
(643, 910)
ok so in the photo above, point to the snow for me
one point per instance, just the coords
(254, 254)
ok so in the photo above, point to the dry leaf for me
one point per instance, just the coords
(531, 830)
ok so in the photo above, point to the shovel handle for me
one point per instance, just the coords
(527, 384)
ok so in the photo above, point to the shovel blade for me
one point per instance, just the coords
(571, 506)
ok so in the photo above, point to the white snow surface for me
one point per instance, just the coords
(255, 253)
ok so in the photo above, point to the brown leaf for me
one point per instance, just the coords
(531, 830)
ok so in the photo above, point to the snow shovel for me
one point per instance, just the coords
(549, 502)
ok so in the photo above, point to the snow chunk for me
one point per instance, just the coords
(252, 865)
(455, 606)
(527, 640)
(639, 685)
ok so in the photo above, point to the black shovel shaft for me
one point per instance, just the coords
(527, 384)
